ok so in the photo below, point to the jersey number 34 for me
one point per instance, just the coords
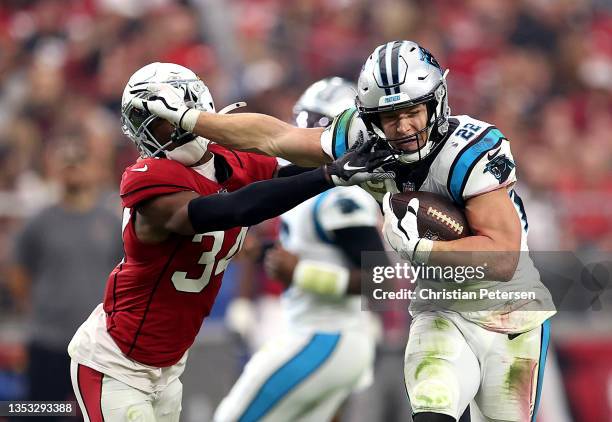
(208, 259)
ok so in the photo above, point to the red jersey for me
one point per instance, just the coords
(158, 296)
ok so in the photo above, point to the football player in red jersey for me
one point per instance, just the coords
(187, 207)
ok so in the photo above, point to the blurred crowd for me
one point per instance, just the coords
(541, 70)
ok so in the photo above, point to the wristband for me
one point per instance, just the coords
(421, 251)
(321, 277)
(189, 119)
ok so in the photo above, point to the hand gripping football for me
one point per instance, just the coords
(437, 218)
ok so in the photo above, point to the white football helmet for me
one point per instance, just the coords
(402, 74)
(324, 100)
(136, 123)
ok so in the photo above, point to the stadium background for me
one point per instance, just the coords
(541, 70)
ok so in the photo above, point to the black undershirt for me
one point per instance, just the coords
(256, 202)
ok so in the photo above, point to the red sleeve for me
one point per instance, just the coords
(260, 167)
(153, 177)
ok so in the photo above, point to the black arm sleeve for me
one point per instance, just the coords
(291, 170)
(256, 202)
(354, 240)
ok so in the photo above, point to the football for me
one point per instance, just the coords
(437, 218)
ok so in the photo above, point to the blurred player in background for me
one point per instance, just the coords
(255, 313)
(63, 253)
(326, 351)
(494, 357)
(186, 209)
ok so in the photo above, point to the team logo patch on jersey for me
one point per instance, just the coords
(500, 167)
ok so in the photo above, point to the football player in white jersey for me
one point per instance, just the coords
(326, 351)
(492, 354)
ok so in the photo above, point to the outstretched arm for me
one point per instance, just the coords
(185, 213)
(263, 134)
(244, 131)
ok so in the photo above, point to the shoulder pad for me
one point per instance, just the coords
(484, 163)
(342, 133)
(153, 177)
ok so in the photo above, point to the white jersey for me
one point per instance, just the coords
(475, 158)
(307, 231)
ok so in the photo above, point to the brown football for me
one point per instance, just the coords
(438, 218)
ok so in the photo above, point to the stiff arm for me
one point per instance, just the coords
(263, 134)
(243, 131)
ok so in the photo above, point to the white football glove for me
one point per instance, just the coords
(165, 101)
(403, 236)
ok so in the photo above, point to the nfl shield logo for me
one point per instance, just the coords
(408, 187)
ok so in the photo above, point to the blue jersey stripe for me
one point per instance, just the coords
(290, 375)
(542, 365)
(315, 217)
(460, 171)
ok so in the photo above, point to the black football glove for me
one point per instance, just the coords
(361, 164)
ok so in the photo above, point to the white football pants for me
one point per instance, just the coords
(450, 362)
(105, 399)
